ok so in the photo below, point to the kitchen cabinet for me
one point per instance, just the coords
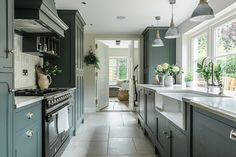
(150, 118)
(6, 37)
(142, 105)
(28, 130)
(156, 55)
(71, 61)
(212, 135)
(171, 140)
(6, 114)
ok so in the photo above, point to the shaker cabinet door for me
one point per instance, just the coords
(6, 37)
(28, 142)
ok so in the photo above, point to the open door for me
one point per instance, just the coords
(131, 66)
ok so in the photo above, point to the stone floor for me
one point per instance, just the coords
(116, 105)
(110, 134)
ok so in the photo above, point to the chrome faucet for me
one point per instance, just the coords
(213, 84)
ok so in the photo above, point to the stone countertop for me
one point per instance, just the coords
(222, 106)
(21, 101)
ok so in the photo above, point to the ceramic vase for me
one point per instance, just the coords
(169, 81)
(44, 81)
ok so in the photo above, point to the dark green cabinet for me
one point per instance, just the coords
(156, 55)
(171, 140)
(6, 37)
(142, 105)
(6, 115)
(150, 115)
(28, 131)
(71, 61)
(211, 135)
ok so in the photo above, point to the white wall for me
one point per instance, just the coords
(89, 72)
(187, 26)
(118, 52)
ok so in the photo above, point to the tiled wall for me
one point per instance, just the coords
(24, 61)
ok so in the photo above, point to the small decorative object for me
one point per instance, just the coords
(44, 74)
(123, 95)
(92, 59)
(189, 79)
(167, 72)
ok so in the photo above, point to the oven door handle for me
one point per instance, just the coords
(56, 113)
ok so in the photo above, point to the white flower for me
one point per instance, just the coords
(175, 69)
(165, 66)
(159, 68)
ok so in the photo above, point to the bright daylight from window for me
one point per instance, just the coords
(118, 69)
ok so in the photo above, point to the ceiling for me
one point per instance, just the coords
(123, 43)
(139, 14)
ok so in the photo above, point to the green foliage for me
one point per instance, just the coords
(188, 77)
(92, 59)
(50, 69)
(202, 46)
(205, 70)
(122, 70)
(229, 67)
(218, 73)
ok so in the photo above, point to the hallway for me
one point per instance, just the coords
(110, 134)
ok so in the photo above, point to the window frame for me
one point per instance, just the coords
(211, 41)
(117, 65)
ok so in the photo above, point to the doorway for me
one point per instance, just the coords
(114, 80)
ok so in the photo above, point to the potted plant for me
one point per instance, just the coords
(92, 59)
(168, 73)
(44, 74)
(189, 79)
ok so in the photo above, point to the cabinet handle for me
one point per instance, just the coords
(30, 115)
(233, 135)
(29, 133)
(12, 91)
(163, 132)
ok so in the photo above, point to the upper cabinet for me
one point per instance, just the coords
(157, 55)
(6, 37)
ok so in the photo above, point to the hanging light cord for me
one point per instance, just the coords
(172, 17)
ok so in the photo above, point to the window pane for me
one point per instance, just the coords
(199, 48)
(198, 79)
(122, 68)
(112, 71)
(229, 71)
(226, 38)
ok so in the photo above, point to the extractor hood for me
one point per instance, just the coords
(38, 16)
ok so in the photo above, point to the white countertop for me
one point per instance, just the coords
(21, 101)
(222, 106)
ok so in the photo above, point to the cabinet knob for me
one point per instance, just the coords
(233, 135)
(29, 133)
(11, 51)
(30, 115)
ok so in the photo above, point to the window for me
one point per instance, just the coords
(222, 46)
(118, 69)
(199, 52)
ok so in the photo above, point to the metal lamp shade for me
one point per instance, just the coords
(157, 43)
(202, 12)
(172, 32)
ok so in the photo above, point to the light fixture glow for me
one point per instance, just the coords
(157, 42)
(202, 12)
(172, 32)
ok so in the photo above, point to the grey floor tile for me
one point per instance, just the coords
(126, 132)
(121, 146)
(143, 146)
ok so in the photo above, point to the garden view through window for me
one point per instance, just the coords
(118, 69)
(223, 51)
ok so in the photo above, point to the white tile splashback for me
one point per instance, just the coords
(27, 62)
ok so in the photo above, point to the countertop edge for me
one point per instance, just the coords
(27, 102)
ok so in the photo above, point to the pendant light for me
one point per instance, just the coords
(172, 32)
(157, 42)
(202, 12)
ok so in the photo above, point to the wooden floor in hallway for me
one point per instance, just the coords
(116, 106)
(110, 134)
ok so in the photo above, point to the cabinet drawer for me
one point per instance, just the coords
(27, 116)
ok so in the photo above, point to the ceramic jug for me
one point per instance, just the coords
(44, 81)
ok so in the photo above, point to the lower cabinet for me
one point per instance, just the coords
(28, 142)
(212, 136)
(142, 104)
(150, 115)
(28, 131)
(171, 141)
